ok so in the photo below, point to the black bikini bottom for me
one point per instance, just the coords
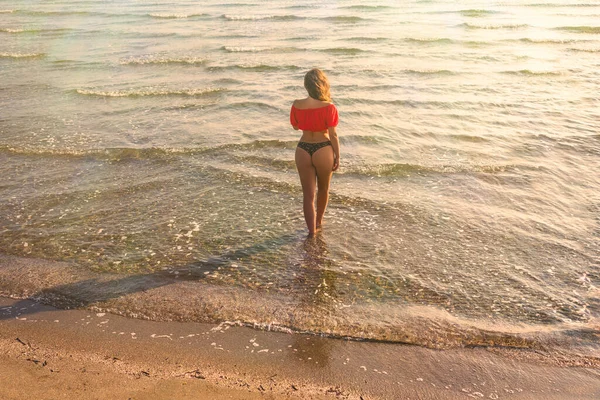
(310, 148)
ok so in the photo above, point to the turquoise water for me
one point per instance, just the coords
(148, 144)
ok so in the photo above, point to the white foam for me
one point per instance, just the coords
(21, 55)
(151, 59)
(240, 49)
(247, 17)
(169, 16)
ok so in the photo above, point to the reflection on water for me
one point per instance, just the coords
(318, 272)
(317, 278)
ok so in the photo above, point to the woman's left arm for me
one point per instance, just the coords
(335, 143)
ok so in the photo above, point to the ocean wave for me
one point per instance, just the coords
(345, 19)
(22, 55)
(396, 170)
(139, 35)
(249, 105)
(344, 51)
(546, 41)
(426, 105)
(228, 81)
(250, 49)
(240, 49)
(354, 87)
(261, 17)
(429, 72)
(476, 12)
(580, 29)
(501, 26)
(58, 13)
(584, 50)
(235, 36)
(578, 15)
(528, 72)
(29, 31)
(253, 145)
(367, 39)
(197, 298)
(369, 140)
(468, 138)
(476, 43)
(174, 16)
(367, 8)
(64, 13)
(262, 161)
(66, 64)
(562, 5)
(125, 153)
(146, 92)
(143, 60)
(446, 41)
(240, 5)
(429, 40)
(112, 154)
(300, 38)
(256, 67)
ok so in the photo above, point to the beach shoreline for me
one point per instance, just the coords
(49, 352)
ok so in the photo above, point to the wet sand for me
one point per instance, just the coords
(48, 353)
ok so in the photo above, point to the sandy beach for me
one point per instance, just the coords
(50, 353)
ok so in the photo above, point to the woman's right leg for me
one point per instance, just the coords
(308, 179)
(322, 161)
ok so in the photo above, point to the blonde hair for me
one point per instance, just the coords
(317, 85)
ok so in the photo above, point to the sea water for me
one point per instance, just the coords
(147, 144)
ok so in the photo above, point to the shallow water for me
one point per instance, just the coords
(149, 143)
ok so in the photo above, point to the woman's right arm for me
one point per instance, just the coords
(335, 143)
(293, 119)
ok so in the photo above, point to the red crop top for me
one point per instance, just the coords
(314, 119)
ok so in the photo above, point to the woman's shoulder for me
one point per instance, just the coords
(309, 104)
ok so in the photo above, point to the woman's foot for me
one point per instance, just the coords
(315, 232)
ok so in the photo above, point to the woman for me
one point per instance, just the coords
(318, 152)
